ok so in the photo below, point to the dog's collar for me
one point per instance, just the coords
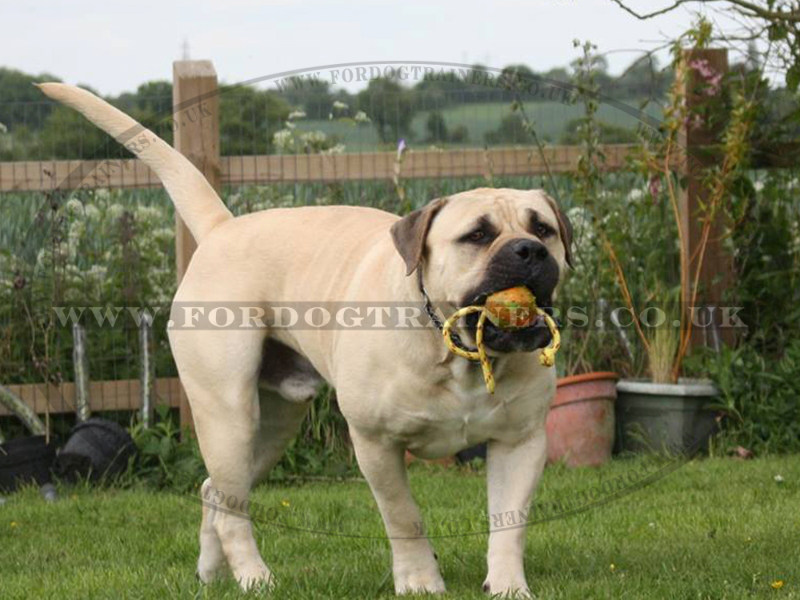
(431, 311)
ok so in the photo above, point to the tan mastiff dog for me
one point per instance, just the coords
(398, 387)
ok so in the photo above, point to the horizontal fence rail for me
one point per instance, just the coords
(124, 394)
(40, 176)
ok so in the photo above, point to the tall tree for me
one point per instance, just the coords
(390, 106)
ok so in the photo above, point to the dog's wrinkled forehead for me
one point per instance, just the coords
(508, 210)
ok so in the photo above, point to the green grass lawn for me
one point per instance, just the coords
(714, 528)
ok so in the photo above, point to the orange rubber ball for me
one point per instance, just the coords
(513, 308)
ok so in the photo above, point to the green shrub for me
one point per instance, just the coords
(510, 131)
(760, 397)
(606, 132)
(437, 128)
(165, 461)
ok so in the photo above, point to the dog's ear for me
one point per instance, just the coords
(409, 233)
(564, 228)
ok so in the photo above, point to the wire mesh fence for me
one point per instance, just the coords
(101, 258)
(114, 245)
(251, 117)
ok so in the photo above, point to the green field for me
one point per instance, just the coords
(715, 528)
(480, 118)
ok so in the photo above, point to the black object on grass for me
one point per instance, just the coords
(96, 449)
(26, 460)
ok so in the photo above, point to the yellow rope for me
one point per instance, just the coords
(547, 357)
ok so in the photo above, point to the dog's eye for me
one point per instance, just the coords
(482, 234)
(541, 230)
(479, 237)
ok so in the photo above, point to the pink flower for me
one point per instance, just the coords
(712, 78)
(654, 187)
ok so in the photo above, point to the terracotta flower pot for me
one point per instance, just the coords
(580, 424)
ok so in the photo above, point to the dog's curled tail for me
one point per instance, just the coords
(195, 200)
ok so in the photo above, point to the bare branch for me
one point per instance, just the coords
(744, 7)
(656, 13)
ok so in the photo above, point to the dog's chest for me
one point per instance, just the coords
(467, 422)
(467, 415)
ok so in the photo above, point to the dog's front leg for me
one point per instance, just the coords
(513, 473)
(413, 563)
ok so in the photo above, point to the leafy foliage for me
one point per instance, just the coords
(510, 131)
(765, 243)
(761, 398)
(390, 106)
(606, 133)
(165, 461)
(249, 119)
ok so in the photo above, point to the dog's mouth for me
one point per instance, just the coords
(525, 339)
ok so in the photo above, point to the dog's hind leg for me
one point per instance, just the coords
(226, 429)
(219, 370)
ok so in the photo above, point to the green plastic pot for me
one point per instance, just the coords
(665, 417)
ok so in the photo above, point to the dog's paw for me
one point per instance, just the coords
(257, 577)
(209, 574)
(211, 563)
(419, 582)
(507, 589)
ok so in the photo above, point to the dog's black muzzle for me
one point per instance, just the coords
(522, 261)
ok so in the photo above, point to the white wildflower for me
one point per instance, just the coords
(635, 194)
(92, 212)
(337, 149)
(340, 106)
(778, 478)
(313, 140)
(148, 213)
(297, 114)
(73, 206)
(76, 231)
(164, 235)
(283, 140)
(361, 117)
(115, 211)
(97, 272)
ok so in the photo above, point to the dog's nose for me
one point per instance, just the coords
(529, 250)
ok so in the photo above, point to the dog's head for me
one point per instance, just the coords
(475, 243)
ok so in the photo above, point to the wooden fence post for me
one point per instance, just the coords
(147, 370)
(195, 101)
(700, 136)
(80, 362)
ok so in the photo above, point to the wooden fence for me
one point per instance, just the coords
(40, 176)
(199, 141)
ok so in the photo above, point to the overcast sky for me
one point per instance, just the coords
(114, 46)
